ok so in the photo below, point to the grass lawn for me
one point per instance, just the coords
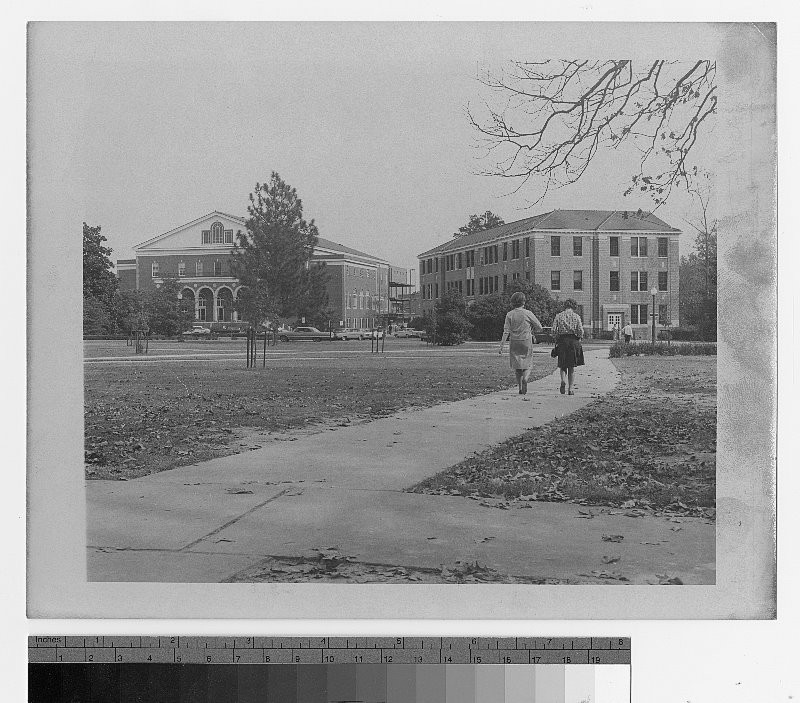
(150, 416)
(649, 444)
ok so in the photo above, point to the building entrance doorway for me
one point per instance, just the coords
(614, 318)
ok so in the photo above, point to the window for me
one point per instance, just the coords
(206, 236)
(459, 260)
(527, 246)
(217, 268)
(638, 246)
(662, 280)
(217, 233)
(505, 282)
(181, 269)
(527, 275)
(638, 314)
(154, 269)
(515, 249)
(662, 315)
(614, 245)
(555, 246)
(495, 259)
(613, 280)
(228, 236)
(495, 284)
(198, 268)
(436, 266)
(577, 280)
(505, 251)
(470, 256)
(470, 286)
(663, 247)
(515, 276)
(577, 246)
(555, 280)
(639, 280)
(436, 289)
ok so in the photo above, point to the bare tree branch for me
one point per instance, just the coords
(551, 118)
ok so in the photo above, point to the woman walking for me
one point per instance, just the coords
(517, 329)
(568, 331)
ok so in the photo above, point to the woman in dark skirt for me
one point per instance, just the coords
(568, 331)
(518, 328)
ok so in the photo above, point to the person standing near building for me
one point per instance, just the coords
(627, 332)
(616, 331)
(568, 331)
(518, 328)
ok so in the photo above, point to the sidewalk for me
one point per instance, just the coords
(343, 488)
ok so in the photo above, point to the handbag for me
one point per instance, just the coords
(554, 351)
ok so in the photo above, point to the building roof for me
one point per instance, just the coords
(569, 220)
(341, 249)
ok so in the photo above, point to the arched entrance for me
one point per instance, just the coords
(205, 305)
(187, 301)
(224, 305)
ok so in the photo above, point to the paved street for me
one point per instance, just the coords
(343, 488)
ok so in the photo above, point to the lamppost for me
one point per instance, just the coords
(654, 292)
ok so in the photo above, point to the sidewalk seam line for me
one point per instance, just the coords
(234, 520)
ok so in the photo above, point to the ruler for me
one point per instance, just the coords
(329, 650)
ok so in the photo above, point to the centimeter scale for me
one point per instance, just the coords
(168, 669)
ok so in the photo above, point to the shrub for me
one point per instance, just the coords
(604, 334)
(448, 325)
(620, 349)
(486, 317)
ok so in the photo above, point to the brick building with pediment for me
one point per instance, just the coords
(198, 255)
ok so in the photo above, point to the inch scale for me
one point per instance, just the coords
(329, 650)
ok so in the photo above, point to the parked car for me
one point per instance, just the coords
(370, 334)
(348, 333)
(408, 332)
(546, 335)
(303, 334)
(198, 331)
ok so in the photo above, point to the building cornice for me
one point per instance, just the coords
(547, 232)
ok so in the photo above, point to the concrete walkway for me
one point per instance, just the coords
(343, 488)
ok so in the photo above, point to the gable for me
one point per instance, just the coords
(214, 231)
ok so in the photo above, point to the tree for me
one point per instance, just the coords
(99, 280)
(164, 312)
(96, 318)
(272, 256)
(126, 310)
(552, 117)
(537, 299)
(448, 325)
(486, 316)
(479, 223)
(698, 270)
(313, 303)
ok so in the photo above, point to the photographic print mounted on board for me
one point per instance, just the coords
(369, 308)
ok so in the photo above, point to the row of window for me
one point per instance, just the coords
(639, 315)
(198, 269)
(217, 235)
(491, 253)
(362, 299)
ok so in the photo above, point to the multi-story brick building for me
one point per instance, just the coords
(607, 261)
(198, 255)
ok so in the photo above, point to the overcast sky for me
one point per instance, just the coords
(367, 122)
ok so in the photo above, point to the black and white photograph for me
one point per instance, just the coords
(407, 304)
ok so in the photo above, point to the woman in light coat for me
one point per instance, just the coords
(518, 329)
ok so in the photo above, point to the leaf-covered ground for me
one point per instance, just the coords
(649, 445)
(145, 417)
